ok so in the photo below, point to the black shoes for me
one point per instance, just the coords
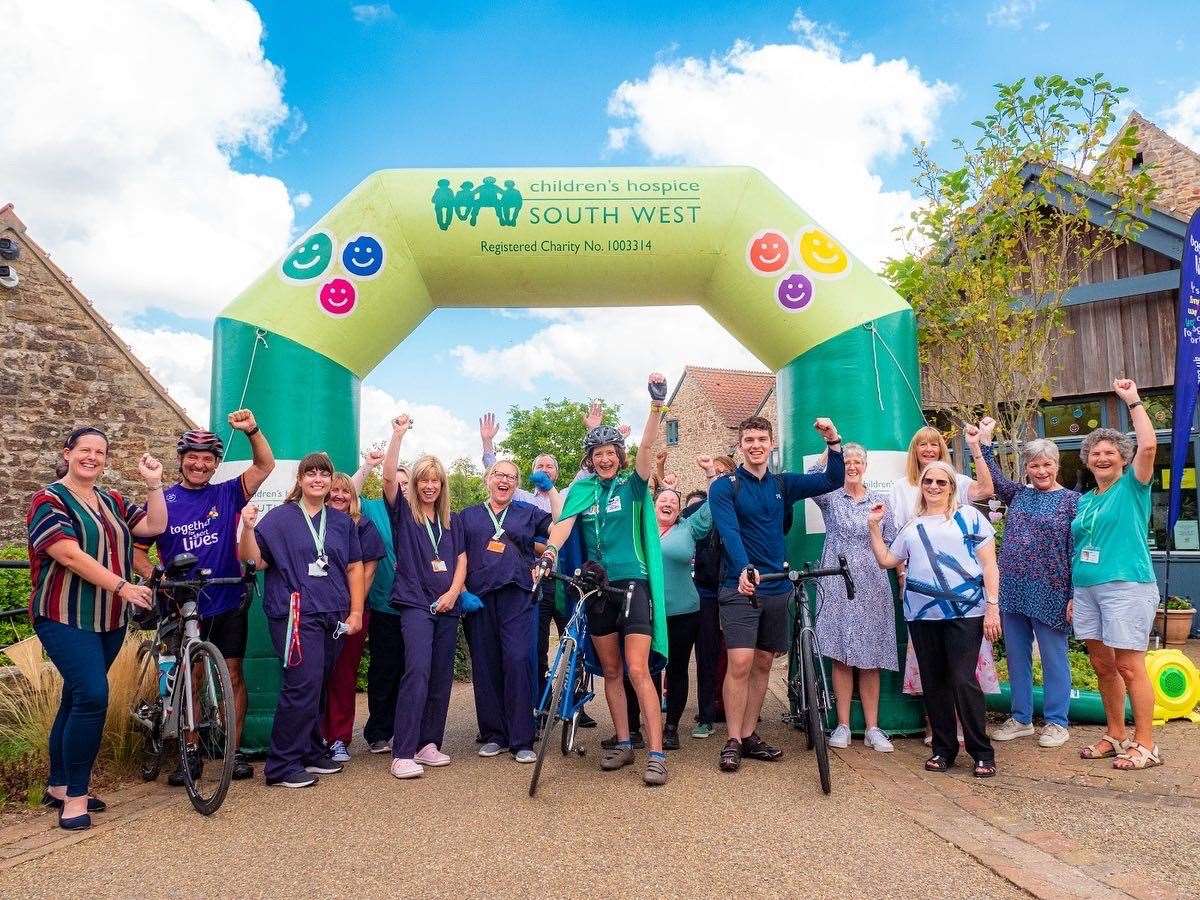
(756, 748)
(731, 755)
(671, 737)
(241, 768)
(635, 739)
(195, 764)
(583, 720)
(94, 804)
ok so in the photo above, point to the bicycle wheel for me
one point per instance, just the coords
(570, 728)
(212, 701)
(552, 717)
(813, 712)
(147, 713)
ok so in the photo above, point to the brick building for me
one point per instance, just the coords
(62, 365)
(705, 409)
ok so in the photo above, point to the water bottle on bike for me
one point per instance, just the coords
(166, 674)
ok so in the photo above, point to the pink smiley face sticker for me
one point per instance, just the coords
(767, 252)
(337, 297)
(795, 292)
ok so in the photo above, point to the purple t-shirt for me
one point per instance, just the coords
(488, 570)
(287, 548)
(204, 522)
(417, 584)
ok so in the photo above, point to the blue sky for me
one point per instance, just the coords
(359, 87)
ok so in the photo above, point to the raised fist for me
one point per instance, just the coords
(1126, 390)
(987, 429)
(242, 420)
(876, 513)
(401, 424)
(372, 457)
(249, 515)
(150, 469)
(656, 384)
(826, 429)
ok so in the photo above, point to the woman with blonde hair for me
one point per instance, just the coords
(337, 721)
(928, 446)
(951, 603)
(431, 569)
(314, 582)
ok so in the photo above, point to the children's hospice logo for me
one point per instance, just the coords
(465, 204)
(814, 252)
(363, 257)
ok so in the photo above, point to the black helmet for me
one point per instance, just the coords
(599, 436)
(202, 442)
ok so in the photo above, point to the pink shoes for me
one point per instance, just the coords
(406, 768)
(430, 755)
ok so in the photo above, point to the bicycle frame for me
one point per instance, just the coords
(576, 632)
(804, 622)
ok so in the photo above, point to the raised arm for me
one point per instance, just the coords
(488, 429)
(262, 460)
(248, 549)
(801, 487)
(883, 555)
(657, 386)
(391, 457)
(1143, 428)
(155, 522)
(371, 459)
(981, 487)
(1005, 489)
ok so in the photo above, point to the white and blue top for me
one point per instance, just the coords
(944, 579)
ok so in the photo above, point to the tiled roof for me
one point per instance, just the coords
(735, 394)
(1177, 167)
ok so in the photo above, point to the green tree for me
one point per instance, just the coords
(466, 485)
(998, 240)
(556, 427)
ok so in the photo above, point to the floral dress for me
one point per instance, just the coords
(861, 632)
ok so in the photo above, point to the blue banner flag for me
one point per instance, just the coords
(1187, 363)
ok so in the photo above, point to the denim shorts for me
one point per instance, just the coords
(1119, 613)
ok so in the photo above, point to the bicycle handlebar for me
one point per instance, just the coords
(585, 584)
(795, 576)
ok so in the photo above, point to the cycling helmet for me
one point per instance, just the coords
(200, 441)
(599, 436)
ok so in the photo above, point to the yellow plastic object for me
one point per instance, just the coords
(1176, 683)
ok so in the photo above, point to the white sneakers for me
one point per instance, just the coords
(430, 755)
(525, 756)
(1053, 735)
(1011, 729)
(873, 738)
(491, 748)
(406, 768)
(338, 752)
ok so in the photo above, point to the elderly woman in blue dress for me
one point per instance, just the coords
(861, 633)
(1035, 586)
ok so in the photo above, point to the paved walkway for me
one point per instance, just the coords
(1046, 827)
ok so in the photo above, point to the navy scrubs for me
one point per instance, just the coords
(287, 547)
(424, 695)
(500, 634)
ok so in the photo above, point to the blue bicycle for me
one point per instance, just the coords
(568, 683)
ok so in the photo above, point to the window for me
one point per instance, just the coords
(1161, 410)
(672, 432)
(1066, 420)
(1186, 532)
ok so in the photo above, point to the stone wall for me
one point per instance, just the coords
(62, 366)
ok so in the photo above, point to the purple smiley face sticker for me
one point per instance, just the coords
(795, 292)
(337, 297)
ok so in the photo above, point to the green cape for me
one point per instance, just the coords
(585, 493)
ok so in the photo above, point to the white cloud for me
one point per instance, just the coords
(121, 121)
(816, 122)
(180, 360)
(608, 353)
(1181, 120)
(370, 13)
(303, 200)
(1013, 13)
(435, 429)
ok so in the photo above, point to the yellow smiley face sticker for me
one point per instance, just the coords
(822, 255)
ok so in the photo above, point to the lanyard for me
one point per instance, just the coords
(601, 514)
(1091, 522)
(499, 523)
(435, 541)
(318, 534)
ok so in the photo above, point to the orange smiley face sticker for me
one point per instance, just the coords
(767, 252)
(822, 255)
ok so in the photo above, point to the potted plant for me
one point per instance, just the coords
(1180, 613)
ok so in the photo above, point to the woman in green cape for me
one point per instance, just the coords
(618, 531)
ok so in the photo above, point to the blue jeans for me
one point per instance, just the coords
(1019, 631)
(83, 659)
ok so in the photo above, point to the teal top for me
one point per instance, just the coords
(611, 530)
(678, 550)
(385, 573)
(1113, 525)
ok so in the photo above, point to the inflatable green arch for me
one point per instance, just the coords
(295, 345)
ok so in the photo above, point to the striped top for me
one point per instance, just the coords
(55, 514)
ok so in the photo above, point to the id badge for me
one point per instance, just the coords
(614, 505)
(1089, 555)
(439, 565)
(316, 570)
(495, 546)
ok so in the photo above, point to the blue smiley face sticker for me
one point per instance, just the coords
(308, 259)
(363, 256)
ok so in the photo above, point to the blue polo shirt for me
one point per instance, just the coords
(751, 526)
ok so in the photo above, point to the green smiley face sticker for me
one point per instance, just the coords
(309, 259)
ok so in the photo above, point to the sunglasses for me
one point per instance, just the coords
(930, 482)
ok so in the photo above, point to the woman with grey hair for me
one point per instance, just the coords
(1035, 586)
(858, 634)
(1115, 590)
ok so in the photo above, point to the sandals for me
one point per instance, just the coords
(1137, 756)
(1115, 748)
(937, 763)
(985, 769)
